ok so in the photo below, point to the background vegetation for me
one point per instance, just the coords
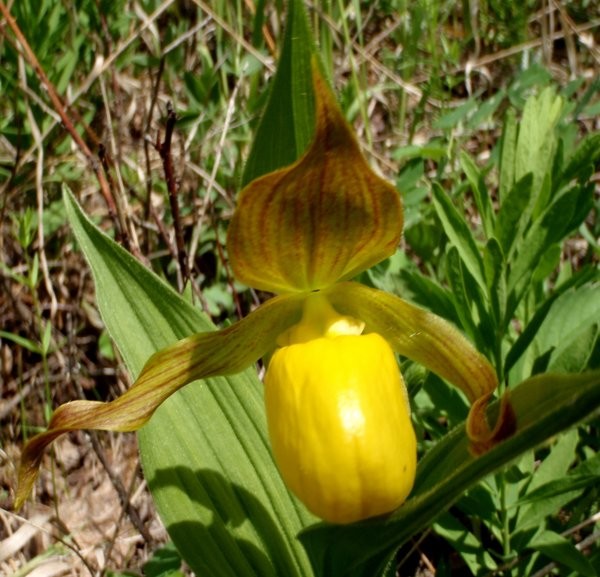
(429, 87)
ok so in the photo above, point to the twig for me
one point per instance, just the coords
(60, 109)
(148, 206)
(164, 149)
(113, 539)
(119, 488)
(213, 175)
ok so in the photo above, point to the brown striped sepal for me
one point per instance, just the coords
(323, 219)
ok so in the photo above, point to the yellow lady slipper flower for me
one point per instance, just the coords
(339, 417)
(337, 409)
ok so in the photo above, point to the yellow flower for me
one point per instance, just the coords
(339, 418)
(337, 409)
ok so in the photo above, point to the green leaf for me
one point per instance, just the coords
(494, 269)
(563, 552)
(550, 227)
(559, 487)
(459, 293)
(584, 157)
(286, 127)
(543, 406)
(165, 562)
(480, 192)
(21, 341)
(584, 275)
(508, 150)
(459, 233)
(512, 216)
(464, 542)
(532, 515)
(537, 140)
(569, 328)
(205, 451)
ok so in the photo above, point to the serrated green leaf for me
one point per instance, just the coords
(544, 406)
(205, 451)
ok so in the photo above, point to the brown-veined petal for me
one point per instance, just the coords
(207, 354)
(322, 219)
(436, 344)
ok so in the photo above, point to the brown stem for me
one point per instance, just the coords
(164, 149)
(148, 205)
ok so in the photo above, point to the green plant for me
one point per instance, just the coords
(219, 487)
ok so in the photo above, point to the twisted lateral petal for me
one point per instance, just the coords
(324, 218)
(431, 341)
(223, 352)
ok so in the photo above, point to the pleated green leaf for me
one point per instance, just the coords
(205, 451)
(286, 127)
(543, 406)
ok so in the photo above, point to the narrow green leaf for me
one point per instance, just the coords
(480, 192)
(513, 216)
(287, 124)
(21, 341)
(561, 550)
(508, 150)
(494, 269)
(543, 406)
(459, 293)
(429, 294)
(459, 233)
(559, 487)
(532, 515)
(205, 452)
